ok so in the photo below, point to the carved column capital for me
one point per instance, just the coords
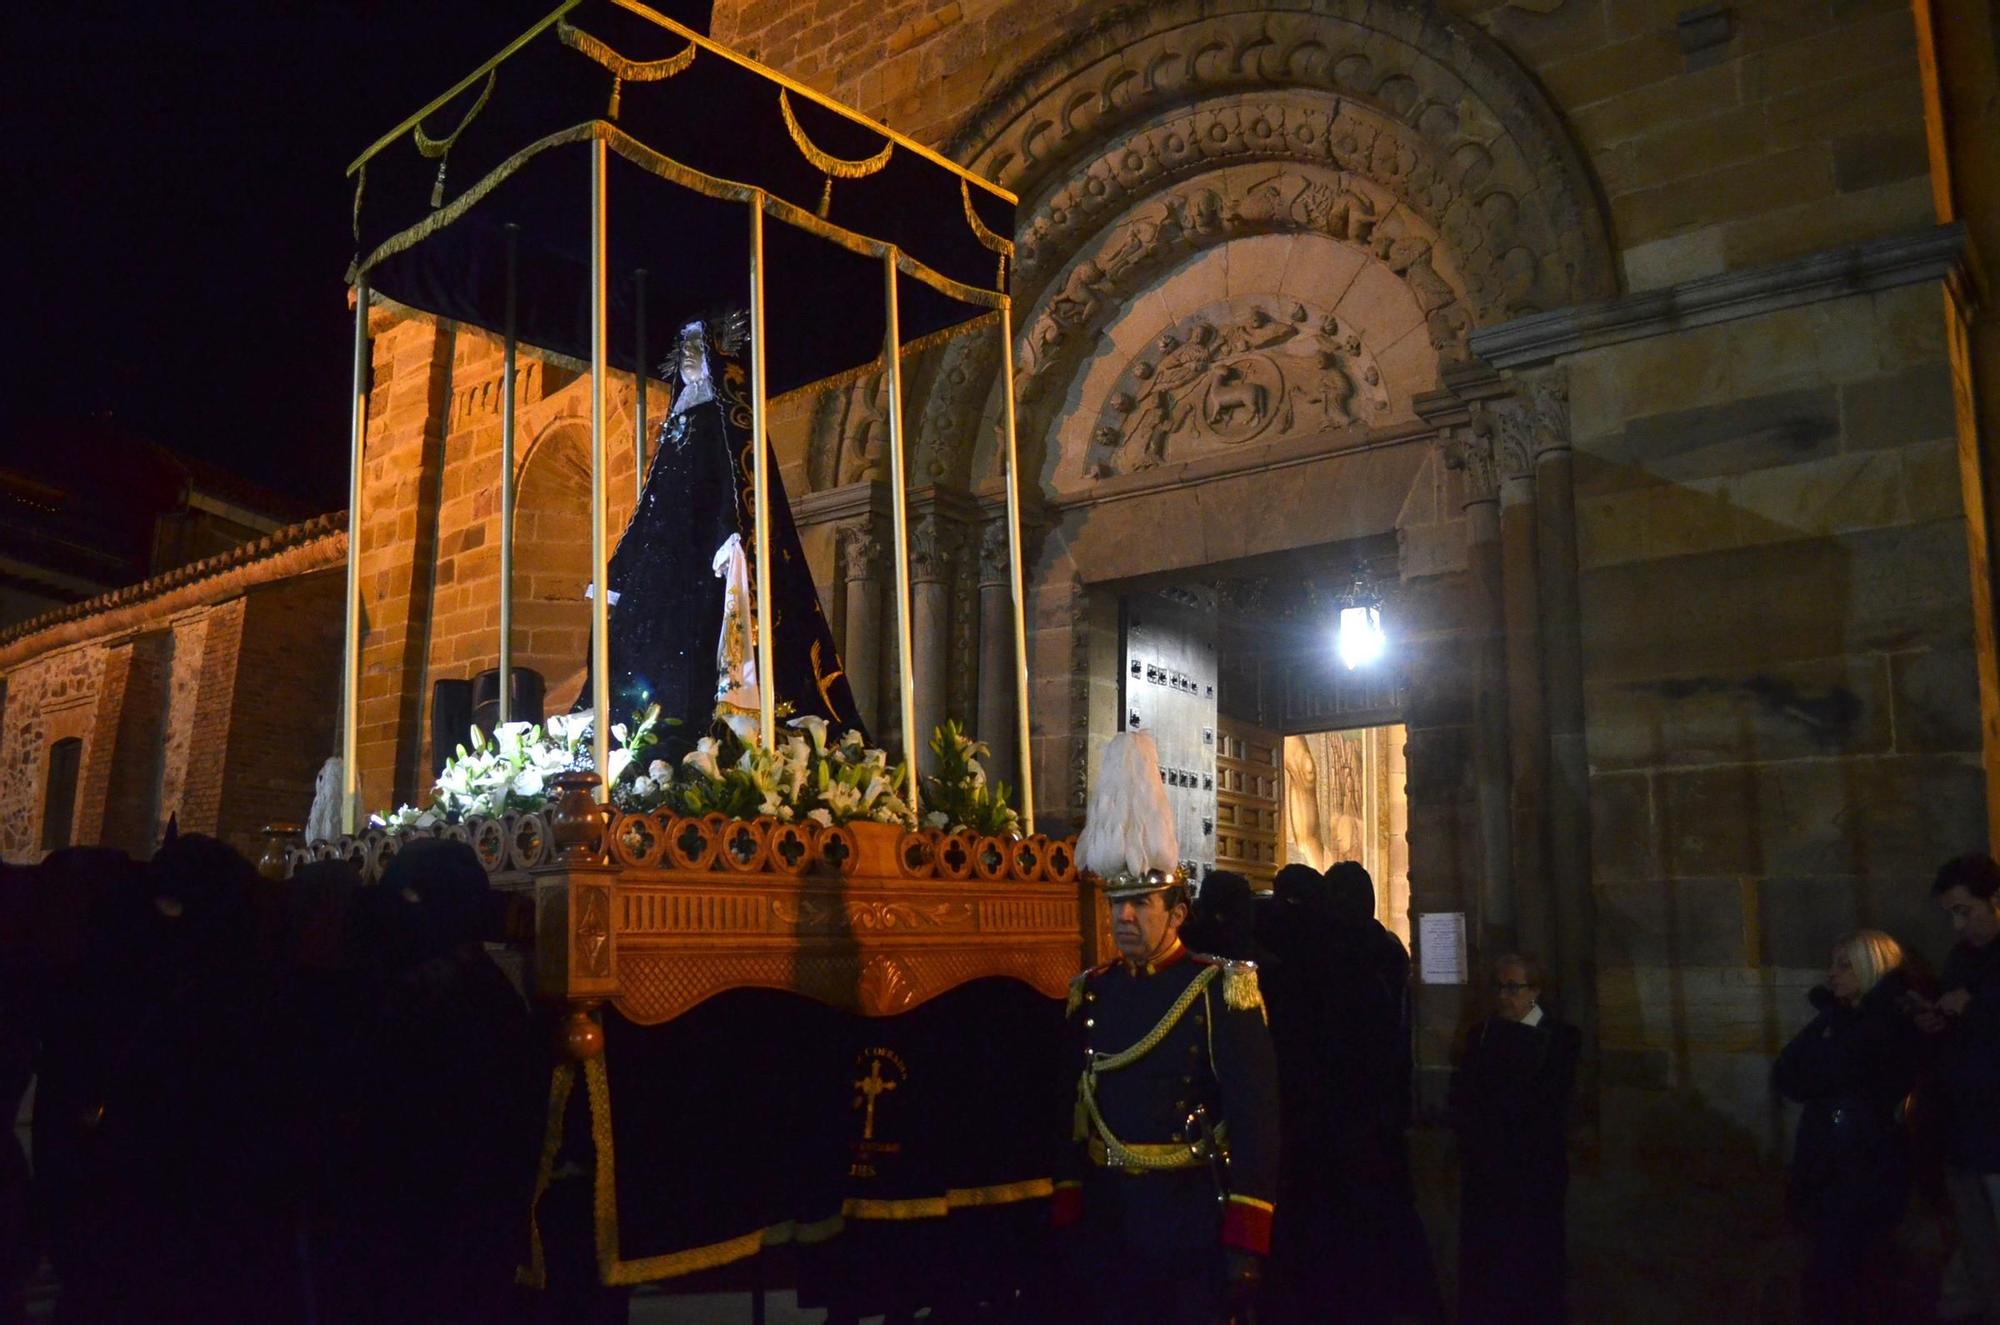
(993, 561)
(1548, 403)
(935, 543)
(862, 554)
(1471, 452)
(1509, 428)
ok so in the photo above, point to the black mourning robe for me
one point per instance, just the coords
(668, 614)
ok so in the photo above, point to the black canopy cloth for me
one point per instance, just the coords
(696, 133)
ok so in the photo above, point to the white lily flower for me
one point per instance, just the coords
(702, 758)
(821, 816)
(938, 819)
(620, 761)
(660, 771)
(815, 727)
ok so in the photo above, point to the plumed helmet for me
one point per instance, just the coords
(1128, 840)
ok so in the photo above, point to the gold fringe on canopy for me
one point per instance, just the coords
(991, 240)
(667, 168)
(833, 167)
(623, 70)
(438, 149)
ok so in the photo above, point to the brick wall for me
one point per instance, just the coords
(280, 734)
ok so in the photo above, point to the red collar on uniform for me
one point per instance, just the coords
(1173, 956)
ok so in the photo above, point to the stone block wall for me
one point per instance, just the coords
(1779, 128)
(1780, 675)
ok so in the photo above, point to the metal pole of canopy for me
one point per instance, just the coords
(1017, 584)
(508, 348)
(892, 387)
(600, 596)
(350, 672)
(638, 387)
(760, 483)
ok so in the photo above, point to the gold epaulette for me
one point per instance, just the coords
(1239, 987)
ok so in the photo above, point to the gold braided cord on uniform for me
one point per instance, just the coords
(623, 69)
(1116, 1151)
(833, 167)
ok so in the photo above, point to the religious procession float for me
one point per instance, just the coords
(804, 990)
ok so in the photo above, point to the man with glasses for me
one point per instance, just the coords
(1510, 1104)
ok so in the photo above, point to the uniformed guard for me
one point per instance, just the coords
(1169, 1187)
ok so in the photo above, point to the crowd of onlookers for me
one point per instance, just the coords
(1898, 1076)
(308, 1100)
(263, 1100)
(1348, 1243)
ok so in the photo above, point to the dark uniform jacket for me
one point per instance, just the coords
(1215, 1056)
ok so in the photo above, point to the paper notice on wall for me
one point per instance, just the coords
(1441, 948)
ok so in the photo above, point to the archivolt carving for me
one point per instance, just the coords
(1478, 121)
(1449, 166)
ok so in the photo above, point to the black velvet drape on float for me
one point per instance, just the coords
(669, 609)
(888, 1143)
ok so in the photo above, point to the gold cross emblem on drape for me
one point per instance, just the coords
(871, 1087)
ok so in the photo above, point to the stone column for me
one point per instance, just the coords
(996, 722)
(934, 546)
(863, 568)
(1527, 718)
(1495, 927)
(1562, 660)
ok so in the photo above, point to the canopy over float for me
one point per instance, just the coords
(612, 169)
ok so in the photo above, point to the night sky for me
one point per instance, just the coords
(179, 219)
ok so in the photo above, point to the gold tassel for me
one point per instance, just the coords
(617, 86)
(826, 198)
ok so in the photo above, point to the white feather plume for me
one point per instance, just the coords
(1130, 826)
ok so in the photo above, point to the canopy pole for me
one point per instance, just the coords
(639, 387)
(508, 347)
(350, 671)
(760, 482)
(1017, 584)
(899, 518)
(600, 597)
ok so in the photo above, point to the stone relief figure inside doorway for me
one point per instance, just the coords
(1305, 843)
(1325, 798)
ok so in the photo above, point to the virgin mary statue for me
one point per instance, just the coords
(682, 580)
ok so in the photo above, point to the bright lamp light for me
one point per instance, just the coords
(1360, 640)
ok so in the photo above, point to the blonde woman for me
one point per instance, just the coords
(1851, 1068)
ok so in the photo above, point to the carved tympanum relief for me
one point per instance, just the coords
(1244, 369)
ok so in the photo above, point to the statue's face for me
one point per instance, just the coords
(694, 355)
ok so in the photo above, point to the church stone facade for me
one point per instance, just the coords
(1642, 340)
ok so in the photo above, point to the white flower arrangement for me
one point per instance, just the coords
(806, 778)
